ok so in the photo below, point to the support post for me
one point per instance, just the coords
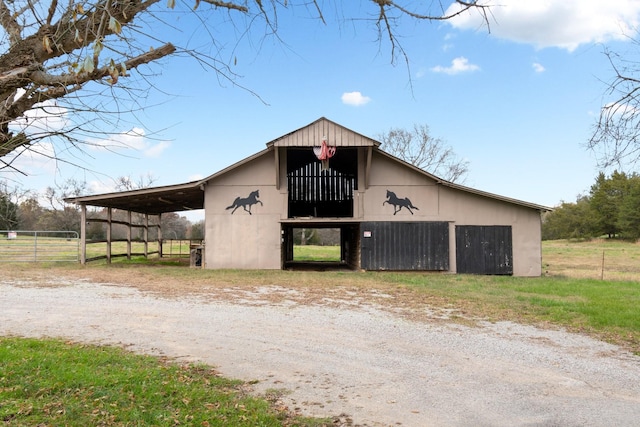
(160, 236)
(109, 212)
(146, 235)
(129, 235)
(83, 234)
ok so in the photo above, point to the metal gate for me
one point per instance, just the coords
(420, 246)
(43, 246)
(484, 249)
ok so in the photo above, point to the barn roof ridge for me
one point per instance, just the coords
(357, 140)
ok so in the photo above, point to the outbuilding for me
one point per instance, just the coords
(390, 214)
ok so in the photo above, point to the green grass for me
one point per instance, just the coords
(606, 310)
(316, 253)
(51, 382)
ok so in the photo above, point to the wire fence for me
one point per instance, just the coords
(39, 246)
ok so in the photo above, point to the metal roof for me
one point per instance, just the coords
(156, 200)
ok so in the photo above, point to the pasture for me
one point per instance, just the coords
(602, 259)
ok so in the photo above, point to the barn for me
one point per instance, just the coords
(390, 215)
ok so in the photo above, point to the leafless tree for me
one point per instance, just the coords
(126, 183)
(85, 59)
(419, 148)
(616, 135)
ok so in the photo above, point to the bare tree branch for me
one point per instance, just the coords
(616, 134)
(9, 24)
(56, 49)
(420, 149)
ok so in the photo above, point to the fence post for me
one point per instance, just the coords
(35, 247)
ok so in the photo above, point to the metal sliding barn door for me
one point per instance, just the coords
(484, 249)
(420, 246)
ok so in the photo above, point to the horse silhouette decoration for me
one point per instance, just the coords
(246, 203)
(399, 203)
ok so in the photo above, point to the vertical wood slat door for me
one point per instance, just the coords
(484, 249)
(391, 245)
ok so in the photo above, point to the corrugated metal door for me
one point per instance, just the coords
(484, 249)
(394, 245)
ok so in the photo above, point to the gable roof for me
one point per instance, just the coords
(190, 195)
(312, 135)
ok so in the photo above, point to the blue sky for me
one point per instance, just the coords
(518, 102)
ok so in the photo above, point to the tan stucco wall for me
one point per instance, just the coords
(240, 240)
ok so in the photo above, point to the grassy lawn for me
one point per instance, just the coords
(316, 253)
(52, 382)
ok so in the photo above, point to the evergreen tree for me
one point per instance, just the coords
(607, 195)
(569, 221)
(629, 213)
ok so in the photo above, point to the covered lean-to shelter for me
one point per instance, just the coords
(390, 214)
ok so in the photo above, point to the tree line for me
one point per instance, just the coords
(612, 209)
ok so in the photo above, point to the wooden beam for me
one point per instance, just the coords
(83, 234)
(129, 235)
(160, 236)
(367, 170)
(277, 156)
(109, 235)
(146, 235)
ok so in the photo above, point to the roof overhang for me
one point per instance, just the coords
(153, 201)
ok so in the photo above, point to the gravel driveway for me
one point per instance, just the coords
(357, 360)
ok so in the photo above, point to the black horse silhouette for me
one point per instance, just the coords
(249, 201)
(399, 203)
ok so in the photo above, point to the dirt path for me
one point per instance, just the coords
(343, 355)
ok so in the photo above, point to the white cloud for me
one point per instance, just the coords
(538, 68)
(155, 150)
(45, 117)
(555, 23)
(134, 139)
(355, 98)
(39, 159)
(98, 187)
(458, 65)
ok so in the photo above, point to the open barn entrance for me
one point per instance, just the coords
(340, 251)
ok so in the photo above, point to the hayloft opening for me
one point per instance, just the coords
(318, 192)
